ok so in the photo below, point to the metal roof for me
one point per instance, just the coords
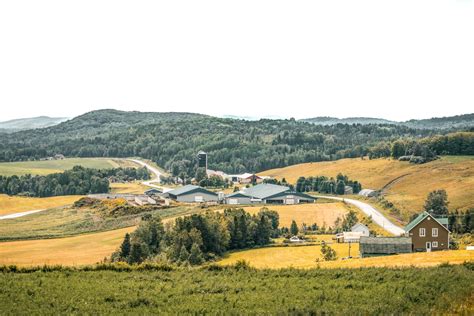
(235, 194)
(188, 189)
(385, 240)
(265, 190)
(421, 217)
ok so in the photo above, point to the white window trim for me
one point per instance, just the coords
(433, 230)
(422, 232)
(434, 244)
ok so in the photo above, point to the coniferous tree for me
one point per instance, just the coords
(125, 247)
(294, 228)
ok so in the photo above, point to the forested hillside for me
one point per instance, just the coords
(173, 139)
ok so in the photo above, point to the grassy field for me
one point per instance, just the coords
(68, 221)
(131, 187)
(319, 213)
(16, 204)
(406, 185)
(78, 250)
(53, 166)
(240, 291)
(305, 257)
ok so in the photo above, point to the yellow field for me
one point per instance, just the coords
(319, 213)
(79, 250)
(132, 188)
(15, 204)
(305, 257)
(411, 183)
(285, 257)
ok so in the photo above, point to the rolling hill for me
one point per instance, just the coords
(450, 122)
(405, 185)
(30, 123)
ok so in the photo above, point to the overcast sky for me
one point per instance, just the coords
(391, 59)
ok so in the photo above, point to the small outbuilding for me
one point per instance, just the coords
(368, 193)
(360, 228)
(238, 198)
(384, 246)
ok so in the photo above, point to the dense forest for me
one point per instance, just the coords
(199, 237)
(173, 139)
(77, 181)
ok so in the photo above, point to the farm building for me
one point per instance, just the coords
(348, 237)
(245, 178)
(276, 194)
(238, 198)
(361, 228)
(348, 190)
(368, 193)
(144, 200)
(428, 233)
(384, 246)
(153, 192)
(202, 159)
(192, 193)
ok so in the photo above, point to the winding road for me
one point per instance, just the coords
(20, 214)
(376, 216)
(157, 173)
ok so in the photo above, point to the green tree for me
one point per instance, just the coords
(183, 254)
(196, 257)
(294, 228)
(340, 187)
(125, 247)
(137, 254)
(437, 202)
(328, 253)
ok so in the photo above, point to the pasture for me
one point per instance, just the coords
(16, 204)
(53, 166)
(305, 257)
(405, 185)
(238, 290)
(319, 213)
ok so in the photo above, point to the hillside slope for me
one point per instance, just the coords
(30, 123)
(405, 185)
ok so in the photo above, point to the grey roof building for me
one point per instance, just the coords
(238, 198)
(275, 194)
(383, 246)
(192, 193)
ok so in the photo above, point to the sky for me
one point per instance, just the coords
(392, 59)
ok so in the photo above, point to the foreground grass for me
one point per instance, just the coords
(412, 182)
(319, 213)
(238, 290)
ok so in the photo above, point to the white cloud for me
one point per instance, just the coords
(398, 59)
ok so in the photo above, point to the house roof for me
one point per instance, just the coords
(300, 194)
(385, 240)
(264, 190)
(421, 217)
(153, 190)
(202, 152)
(357, 225)
(189, 189)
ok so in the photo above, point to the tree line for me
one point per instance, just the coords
(327, 185)
(198, 238)
(77, 181)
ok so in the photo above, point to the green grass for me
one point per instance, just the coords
(53, 166)
(68, 221)
(237, 290)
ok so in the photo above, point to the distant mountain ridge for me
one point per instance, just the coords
(30, 123)
(458, 121)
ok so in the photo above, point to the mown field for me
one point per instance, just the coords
(306, 256)
(406, 185)
(53, 166)
(16, 204)
(239, 290)
(319, 213)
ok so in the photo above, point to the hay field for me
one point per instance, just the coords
(53, 166)
(408, 184)
(305, 257)
(78, 250)
(319, 213)
(130, 187)
(286, 257)
(16, 204)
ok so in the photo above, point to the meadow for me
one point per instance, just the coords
(237, 290)
(16, 204)
(319, 213)
(405, 185)
(54, 166)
